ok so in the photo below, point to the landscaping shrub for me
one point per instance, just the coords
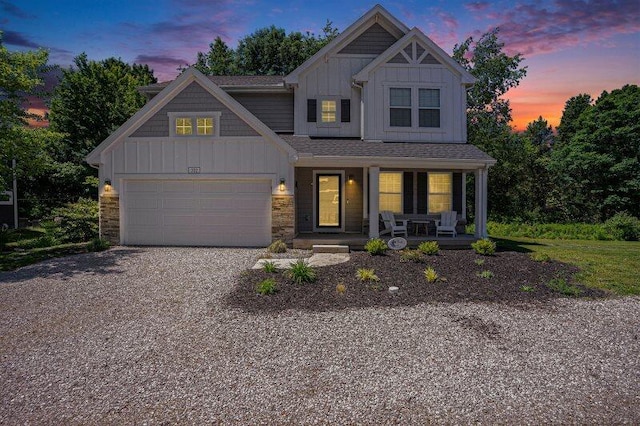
(341, 288)
(485, 274)
(278, 246)
(408, 255)
(76, 222)
(44, 241)
(430, 275)
(623, 226)
(300, 272)
(376, 247)
(561, 286)
(479, 262)
(266, 287)
(269, 267)
(429, 247)
(365, 274)
(549, 231)
(4, 236)
(98, 244)
(484, 247)
(540, 257)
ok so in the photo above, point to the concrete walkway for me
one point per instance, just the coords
(318, 259)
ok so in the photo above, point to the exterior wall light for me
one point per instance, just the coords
(107, 185)
(281, 186)
(350, 178)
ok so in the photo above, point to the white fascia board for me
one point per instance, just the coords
(394, 49)
(344, 38)
(307, 160)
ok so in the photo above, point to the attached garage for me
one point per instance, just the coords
(229, 213)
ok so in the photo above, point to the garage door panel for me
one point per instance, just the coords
(205, 213)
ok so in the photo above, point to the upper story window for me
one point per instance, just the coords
(194, 123)
(414, 107)
(328, 111)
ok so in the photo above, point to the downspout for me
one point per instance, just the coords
(361, 87)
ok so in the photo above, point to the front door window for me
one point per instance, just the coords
(329, 198)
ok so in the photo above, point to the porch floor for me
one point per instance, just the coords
(357, 241)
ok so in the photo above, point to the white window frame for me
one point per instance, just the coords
(401, 188)
(415, 107)
(429, 193)
(215, 115)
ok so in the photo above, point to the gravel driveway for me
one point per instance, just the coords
(137, 335)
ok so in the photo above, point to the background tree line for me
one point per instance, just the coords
(586, 171)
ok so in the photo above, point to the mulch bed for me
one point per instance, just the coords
(461, 283)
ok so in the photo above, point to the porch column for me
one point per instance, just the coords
(374, 201)
(481, 203)
(464, 196)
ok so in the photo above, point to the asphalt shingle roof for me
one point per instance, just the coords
(360, 148)
(230, 81)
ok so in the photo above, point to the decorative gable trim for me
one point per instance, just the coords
(416, 48)
(377, 14)
(165, 96)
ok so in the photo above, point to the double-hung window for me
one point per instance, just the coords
(400, 107)
(440, 192)
(429, 107)
(414, 107)
(390, 197)
(329, 110)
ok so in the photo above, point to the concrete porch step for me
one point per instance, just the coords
(330, 248)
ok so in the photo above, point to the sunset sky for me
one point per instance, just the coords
(570, 46)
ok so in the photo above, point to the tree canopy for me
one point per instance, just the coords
(267, 51)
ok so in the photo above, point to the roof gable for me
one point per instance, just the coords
(375, 40)
(415, 48)
(377, 15)
(170, 92)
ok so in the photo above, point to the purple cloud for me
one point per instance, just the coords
(477, 6)
(17, 39)
(13, 10)
(530, 29)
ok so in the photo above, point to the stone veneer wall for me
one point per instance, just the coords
(283, 218)
(110, 218)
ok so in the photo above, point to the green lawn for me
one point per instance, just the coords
(607, 265)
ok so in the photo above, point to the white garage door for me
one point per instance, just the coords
(197, 212)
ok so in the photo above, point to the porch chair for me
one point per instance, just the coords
(393, 226)
(447, 223)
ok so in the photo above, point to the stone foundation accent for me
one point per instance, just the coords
(110, 218)
(283, 218)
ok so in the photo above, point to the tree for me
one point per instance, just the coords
(267, 51)
(20, 76)
(540, 134)
(573, 108)
(598, 169)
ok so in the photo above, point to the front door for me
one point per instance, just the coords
(328, 201)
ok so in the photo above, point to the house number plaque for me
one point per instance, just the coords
(193, 170)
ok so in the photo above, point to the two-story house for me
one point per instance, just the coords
(374, 121)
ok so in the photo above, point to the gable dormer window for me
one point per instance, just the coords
(400, 107)
(413, 108)
(194, 124)
(331, 113)
(429, 107)
(328, 111)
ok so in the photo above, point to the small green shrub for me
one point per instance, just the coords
(408, 255)
(623, 226)
(98, 244)
(376, 247)
(540, 257)
(430, 275)
(478, 262)
(4, 235)
(76, 222)
(485, 247)
(485, 274)
(266, 287)
(300, 272)
(562, 286)
(44, 241)
(341, 288)
(527, 288)
(429, 247)
(278, 246)
(365, 274)
(269, 267)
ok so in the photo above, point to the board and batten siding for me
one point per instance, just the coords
(452, 103)
(194, 98)
(273, 109)
(373, 41)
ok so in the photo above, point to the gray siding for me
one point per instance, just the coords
(373, 41)
(273, 109)
(194, 98)
(352, 197)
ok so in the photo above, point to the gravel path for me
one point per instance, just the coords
(142, 336)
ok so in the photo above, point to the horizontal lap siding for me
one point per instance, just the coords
(273, 109)
(194, 98)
